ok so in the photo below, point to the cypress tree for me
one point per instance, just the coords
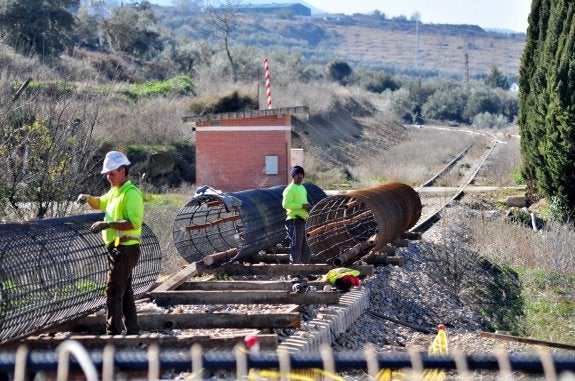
(547, 103)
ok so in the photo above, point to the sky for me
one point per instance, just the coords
(491, 14)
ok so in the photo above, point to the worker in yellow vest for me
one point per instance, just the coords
(121, 230)
(297, 207)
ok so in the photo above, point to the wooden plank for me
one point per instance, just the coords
(281, 269)
(267, 342)
(219, 257)
(277, 257)
(167, 298)
(158, 322)
(221, 285)
(178, 278)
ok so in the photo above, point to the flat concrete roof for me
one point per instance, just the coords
(246, 114)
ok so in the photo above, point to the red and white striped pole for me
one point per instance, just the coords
(268, 85)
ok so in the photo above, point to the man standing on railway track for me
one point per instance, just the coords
(297, 208)
(121, 230)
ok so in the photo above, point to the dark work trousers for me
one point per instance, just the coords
(119, 294)
(299, 250)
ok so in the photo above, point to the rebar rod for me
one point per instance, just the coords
(338, 223)
(54, 270)
(250, 221)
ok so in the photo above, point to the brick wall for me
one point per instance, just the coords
(230, 154)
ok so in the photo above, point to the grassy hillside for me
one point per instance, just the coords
(395, 45)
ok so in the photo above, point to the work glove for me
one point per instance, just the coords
(99, 226)
(82, 199)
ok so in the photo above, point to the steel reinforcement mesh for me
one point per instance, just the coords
(363, 219)
(207, 224)
(54, 270)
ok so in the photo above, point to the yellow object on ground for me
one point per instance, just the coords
(438, 347)
(334, 274)
(300, 375)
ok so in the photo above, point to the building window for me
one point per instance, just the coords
(271, 165)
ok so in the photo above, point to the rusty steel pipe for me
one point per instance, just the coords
(213, 222)
(338, 223)
(55, 270)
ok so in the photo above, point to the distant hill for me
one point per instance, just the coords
(396, 45)
(216, 3)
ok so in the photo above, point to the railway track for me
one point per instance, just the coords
(436, 201)
(217, 308)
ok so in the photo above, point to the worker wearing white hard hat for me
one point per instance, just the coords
(114, 160)
(121, 231)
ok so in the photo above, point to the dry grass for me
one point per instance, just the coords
(423, 153)
(521, 247)
(545, 263)
(444, 53)
(319, 96)
(160, 213)
(505, 163)
(156, 120)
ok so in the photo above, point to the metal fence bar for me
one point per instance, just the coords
(138, 360)
(54, 270)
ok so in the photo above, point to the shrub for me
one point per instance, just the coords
(486, 120)
(180, 85)
(228, 103)
(447, 104)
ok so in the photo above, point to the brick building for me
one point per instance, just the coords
(244, 150)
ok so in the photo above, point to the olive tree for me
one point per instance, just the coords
(133, 30)
(37, 27)
(224, 20)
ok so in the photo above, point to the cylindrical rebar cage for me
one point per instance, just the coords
(237, 225)
(54, 270)
(360, 220)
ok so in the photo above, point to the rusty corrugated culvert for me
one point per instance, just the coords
(216, 227)
(54, 270)
(342, 226)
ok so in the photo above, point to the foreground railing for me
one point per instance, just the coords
(240, 364)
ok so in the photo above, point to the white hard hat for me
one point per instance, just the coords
(114, 160)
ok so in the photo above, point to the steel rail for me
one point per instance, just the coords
(234, 225)
(447, 167)
(54, 270)
(427, 222)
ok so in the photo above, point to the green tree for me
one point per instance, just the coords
(37, 27)
(496, 79)
(547, 103)
(133, 30)
(446, 104)
(87, 29)
(338, 70)
(481, 100)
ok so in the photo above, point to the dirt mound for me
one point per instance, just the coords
(348, 132)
